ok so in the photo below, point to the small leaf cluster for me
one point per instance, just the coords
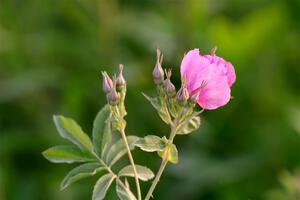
(97, 156)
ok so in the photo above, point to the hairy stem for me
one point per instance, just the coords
(137, 183)
(164, 161)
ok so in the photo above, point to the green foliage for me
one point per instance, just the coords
(151, 143)
(143, 173)
(102, 186)
(102, 129)
(189, 125)
(86, 151)
(70, 130)
(118, 149)
(67, 154)
(124, 193)
(170, 153)
(82, 171)
(161, 108)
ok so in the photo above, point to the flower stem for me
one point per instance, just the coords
(163, 164)
(138, 188)
(164, 161)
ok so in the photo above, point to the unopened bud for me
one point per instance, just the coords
(168, 85)
(195, 97)
(158, 72)
(113, 97)
(107, 84)
(182, 95)
(121, 83)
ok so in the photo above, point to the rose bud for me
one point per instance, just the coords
(218, 74)
(121, 83)
(158, 72)
(113, 97)
(107, 84)
(182, 95)
(168, 85)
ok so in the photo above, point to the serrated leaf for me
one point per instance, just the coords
(102, 185)
(70, 130)
(124, 193)
(151, 143)
(80, 172)
(67, 154)
(118, 149)
(102, 129)
(171, 152)
(143, 173)
(161, 109)
(191, 124)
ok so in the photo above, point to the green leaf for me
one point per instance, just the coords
(151, 143)
(102, 186)
(70, 130)
(143, 173)
(191, 124)
(117, 150)
(171, 152)
(161, 109)
(80, 172)
(67, 154)
(124, 193)
(102, 129)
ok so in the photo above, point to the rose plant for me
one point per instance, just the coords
(206, 81)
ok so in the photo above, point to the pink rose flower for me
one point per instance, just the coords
(215, 72)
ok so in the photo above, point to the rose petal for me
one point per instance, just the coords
(230, 73)
(217, 91)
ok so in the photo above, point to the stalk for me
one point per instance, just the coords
(137, 183)
(164, 162)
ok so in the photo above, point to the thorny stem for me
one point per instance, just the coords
(164, 161)
(137, 183)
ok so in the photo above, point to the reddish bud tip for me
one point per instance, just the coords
(182, 95)
(113, 96)
(120, 79)
(107, 84)
(158, 72)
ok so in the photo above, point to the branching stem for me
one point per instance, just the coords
(112, 173)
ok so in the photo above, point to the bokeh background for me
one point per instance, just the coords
(51, 55)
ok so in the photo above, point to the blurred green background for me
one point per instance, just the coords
(51, 55)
